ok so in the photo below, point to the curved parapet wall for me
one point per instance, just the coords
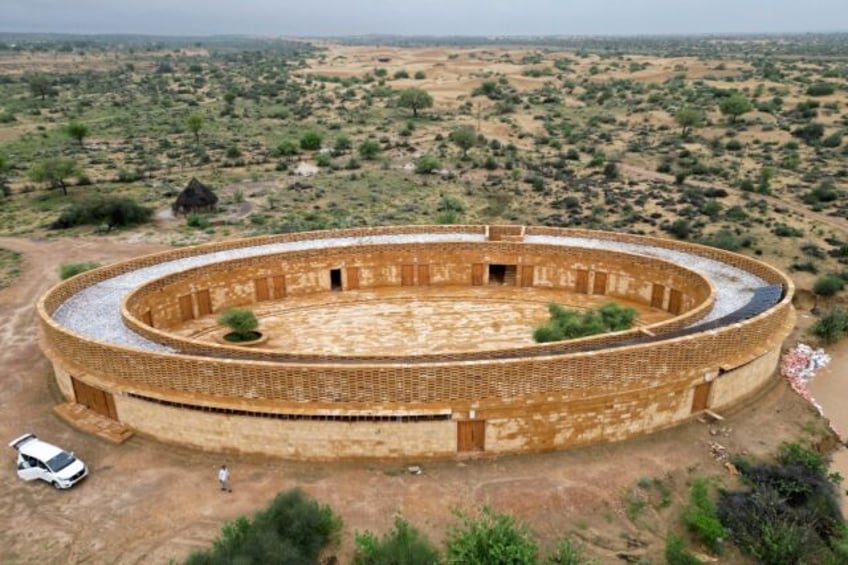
(109, 335)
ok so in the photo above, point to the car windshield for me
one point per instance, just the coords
(60, 461)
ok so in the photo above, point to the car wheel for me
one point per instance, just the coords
(56, 485)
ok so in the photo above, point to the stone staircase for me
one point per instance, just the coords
(84, 419)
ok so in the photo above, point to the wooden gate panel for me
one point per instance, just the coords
(471, 435)
(600, 284)
(94, 399)
(582, 282)
(186, 308)
(407, 275)
(204, 303)
(279, 282)
(423, 275)
(528, 273)
(657, 296)
(701, 397)
(261, 285)
(352, 278)
(675, 301)
(477, 274)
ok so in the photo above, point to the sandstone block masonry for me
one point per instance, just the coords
(131, 366)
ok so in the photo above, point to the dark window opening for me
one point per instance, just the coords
(335, 279)
(502, 274)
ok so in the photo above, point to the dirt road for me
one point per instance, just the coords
(146, 502)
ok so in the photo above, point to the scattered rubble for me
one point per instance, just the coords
(799, 366)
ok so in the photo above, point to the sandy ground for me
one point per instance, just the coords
(147, 502)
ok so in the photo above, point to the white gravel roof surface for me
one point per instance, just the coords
(95, 312)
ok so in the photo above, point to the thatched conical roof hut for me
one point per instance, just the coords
(196, 197)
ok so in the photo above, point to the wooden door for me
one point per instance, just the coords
(657, 296)
(701, 397)
(477, 274)
(94, 399)
(600, 284)
(675, 301)
(528, 273)
(204, 303)
(471, 435)
(582, 282)
(261, 286)
(352, 278)
(423, 275)
(186, 308)
(407, 275)
(279, 282)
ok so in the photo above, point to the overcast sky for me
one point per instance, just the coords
(424, 17)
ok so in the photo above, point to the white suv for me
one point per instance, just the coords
(41, 460)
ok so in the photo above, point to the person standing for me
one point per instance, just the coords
(224, 478)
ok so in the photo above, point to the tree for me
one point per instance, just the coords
(54, 171)
(415, 99)
(242, 323)
(734, 106)
(194, 123)
(464, 137)
(688, 118)
(77, 131)
(40, 86)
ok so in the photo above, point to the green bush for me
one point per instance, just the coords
(677, 554)
(293, 529)
(833, 326)
(569, 553)
(572, 324)
(701, 518)
(726, 239)
(828, 285)
(810, 132)
(821, 89)
(323, 160)
(242, 323)
(782, 230)
(311, 141)
(114, 212)
(790, 512)
(824, 192)
(369, 149)
(427, 164)
(490, 539)
(195, 220)
(793, 453)
(68, 270)
(680, 228)
(402, 545)
(287, 148)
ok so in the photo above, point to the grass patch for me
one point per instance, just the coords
(10, 267)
